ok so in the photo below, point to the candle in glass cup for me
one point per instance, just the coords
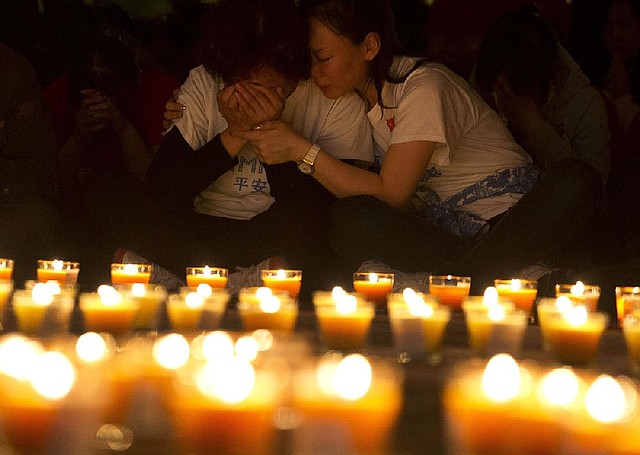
(627, 300)
(418, 324)
(215, 304)
(108, 310)
(574, 335)
(185, 311)
(523, 293)
(227, 407)
(631, 330)
(495, 330)
(374, 286)
(283, 280)
(149, 299)
(64, 272)
(58, 314)
(264, 308)
(581, 294)
(450, 290)
(6, 269)
(350, 403)
(216, 277)
(31, 307)
(130, 273)
(6, 288)
(31, 402)
(344, 318)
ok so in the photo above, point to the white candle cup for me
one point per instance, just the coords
(496, 330)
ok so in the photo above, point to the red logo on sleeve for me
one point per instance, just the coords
(391, 123)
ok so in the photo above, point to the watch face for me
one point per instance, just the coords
(305, 168)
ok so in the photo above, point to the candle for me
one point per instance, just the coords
(33, 386)
(262, 308)
(215, 304)
(450, 290)
(107, 310)
(227, 406)
(631, 330)
(580, 293)
(627, 300)
(6, 269)
(348, 403)
(62, 271)
(283, 280)
(374, 286)
(6, 288)
(215, 277)
(185, 311)
(418, 325)
(490, 297)
(344, 319)
(495, 330)
(130, 273)
(58, 314)
(522, 292)
(149, 299)
(31, 308)
(547, 307)
(575, 334)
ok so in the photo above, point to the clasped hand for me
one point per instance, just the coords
(97, 112)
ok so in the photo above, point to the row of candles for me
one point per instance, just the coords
(496, 322)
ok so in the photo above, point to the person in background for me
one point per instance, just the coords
(28, 216)
(213, 201)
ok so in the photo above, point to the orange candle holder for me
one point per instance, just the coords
(6, 290)
(418, 324)
(627, 301)
(108, 310)
(215, 304)
(523, 293)
(283, 280)
(216, 277)
(495, 330)
(31, 309)
(344, 319)
(450, 290)
(64, 272)
(149, 298)
(631, 330)
(350, 403)
(6, 269)
(263, 308)
(581, 294)
(130, 273)
(374, 286)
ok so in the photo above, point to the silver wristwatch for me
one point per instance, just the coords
(306, 165)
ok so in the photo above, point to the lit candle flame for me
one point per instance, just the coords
(204, 290)
(171, 351)
(563, 303)
(346, 304)
(605, 400)
(41, 294)
(194, 300)
(416, 304)
(373, 278)
(91, 347)
(57, 265)
(130, 269)
(217, 346)
(349, 379)
(109, 295)
(577, 289)
(516, 285)
(231, 381)
(337, 293)
(138, 289)
(281, 274)
(576, 316)
(53, 375)
(263, 292)
(496, 313)
(17, 354)
(247, 348)
(490, 296)
(206, 270)
(559, 387)
(270, 304)
(501, 378)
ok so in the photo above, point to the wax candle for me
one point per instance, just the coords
(627, 300)
(6, 288)
(107, 310)
(216, 277)
(631, 330)
(523, 293)
(130, 273)
(215, 304)
(349, 403)
(64, 272)
(418, 325)
(149, 298)
(344, 318)
(374, 286)
(546, 307)
(581, 294)
(31, 308)
(6, 269)
(185, 312)
(575, 334)
(450, 290)
(263, 308)
(495, 330)
(33, 386)
(283, 280)
(226, 407)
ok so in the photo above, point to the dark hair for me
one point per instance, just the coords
(240, 36)
(107, 62)
(523, 45)
(354, 19)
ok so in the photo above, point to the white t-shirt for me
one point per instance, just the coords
(434, 104)
(339, 126)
